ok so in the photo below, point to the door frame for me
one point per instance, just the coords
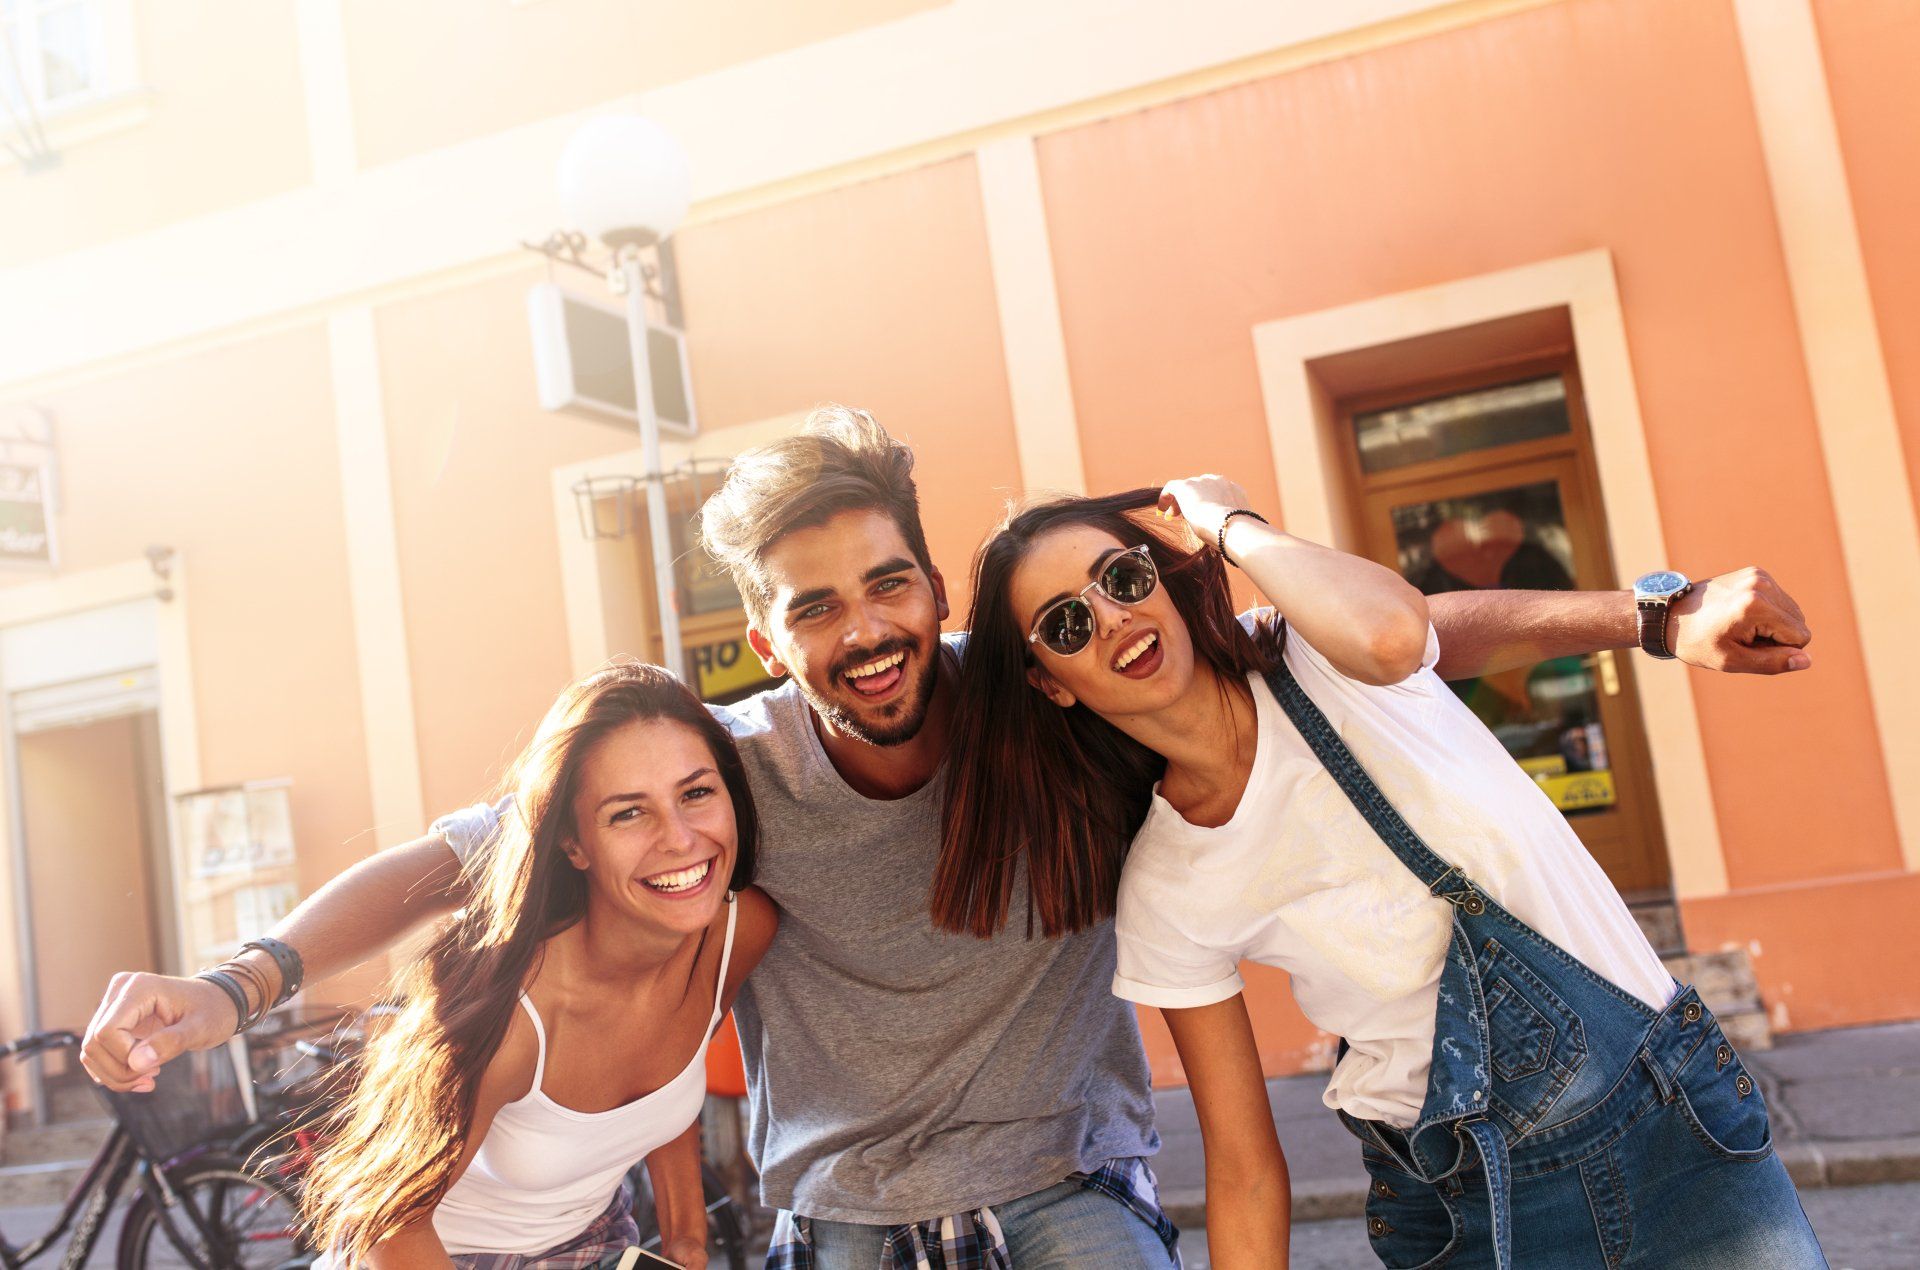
(67, 595)
(1508, 314)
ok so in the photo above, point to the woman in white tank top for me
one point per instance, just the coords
(556, 1030)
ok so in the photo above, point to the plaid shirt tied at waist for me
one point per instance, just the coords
(973, 1241)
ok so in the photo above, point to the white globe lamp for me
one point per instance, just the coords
(623, 180)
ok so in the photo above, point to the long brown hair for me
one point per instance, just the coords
(1061, 792)
(393, 1144)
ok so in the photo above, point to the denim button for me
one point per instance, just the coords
(1378, 1228)
(1384, 1191)
(1692, 1012)
(1722, 1056)
(1744, 1084)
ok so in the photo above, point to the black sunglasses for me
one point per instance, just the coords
(1066, 626)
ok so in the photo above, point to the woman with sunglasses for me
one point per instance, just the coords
(1528, 1084)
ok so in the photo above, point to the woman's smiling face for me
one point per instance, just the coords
(655, 830)
(1140, 658)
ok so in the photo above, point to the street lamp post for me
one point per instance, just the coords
(623, 180)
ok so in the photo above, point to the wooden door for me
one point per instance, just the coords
(1526, 514)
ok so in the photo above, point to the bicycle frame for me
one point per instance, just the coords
(89, 1204)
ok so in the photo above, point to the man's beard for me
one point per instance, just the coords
(908, 714)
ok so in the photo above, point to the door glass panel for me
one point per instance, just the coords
(1546, 715)
(1461, 422)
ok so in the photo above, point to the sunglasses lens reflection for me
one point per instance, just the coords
(1068, 627)
(1129, 579)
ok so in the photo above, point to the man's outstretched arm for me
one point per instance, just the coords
(144, 1020)
(1742, 621)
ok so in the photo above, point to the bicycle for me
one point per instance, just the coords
(210, 1212)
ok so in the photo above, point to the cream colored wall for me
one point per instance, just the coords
(195, 151)
(496, 64)
(880, 295)
(92, 902)
(474, 526)
(229, 456)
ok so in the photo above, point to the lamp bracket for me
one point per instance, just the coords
(569, 247)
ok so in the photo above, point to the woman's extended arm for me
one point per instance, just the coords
(1249, 1199)
(144, 1020)
(1365, 618)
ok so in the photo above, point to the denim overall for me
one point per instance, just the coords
(1566, 1123)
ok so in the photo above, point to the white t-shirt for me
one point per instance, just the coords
(1297, 879)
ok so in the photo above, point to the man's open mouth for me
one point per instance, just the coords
(878, 677)
(680, 881)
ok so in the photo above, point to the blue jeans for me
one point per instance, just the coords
(1566, 1123)
(1065, 1227)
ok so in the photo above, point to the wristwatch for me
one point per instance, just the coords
(1653, 593)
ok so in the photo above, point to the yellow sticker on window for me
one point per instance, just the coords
(1579, 791)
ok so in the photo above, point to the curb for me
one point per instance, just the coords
(1866, 1162)
(1812, 1165)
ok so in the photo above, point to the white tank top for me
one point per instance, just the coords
(545, 1171)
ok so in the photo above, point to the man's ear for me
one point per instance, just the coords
(763, 649)
(940, 593)
(1049, 687)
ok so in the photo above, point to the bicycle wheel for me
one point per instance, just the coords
(255, 1217)
(726, 1232)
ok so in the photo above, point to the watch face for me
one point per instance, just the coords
(1660, 586)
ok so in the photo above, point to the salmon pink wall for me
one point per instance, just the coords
(1870, 47)
(878, 295)
(1623, 124)
(1826, 955)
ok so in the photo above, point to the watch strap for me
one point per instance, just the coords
(1651, 623)
(1651, 620)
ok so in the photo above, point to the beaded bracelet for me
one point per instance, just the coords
(1226, 520)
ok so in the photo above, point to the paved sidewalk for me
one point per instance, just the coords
(1845, 1107)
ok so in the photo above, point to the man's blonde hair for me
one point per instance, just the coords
(840, 460)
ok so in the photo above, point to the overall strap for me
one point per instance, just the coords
(1493, 1157)
(1440, 878)
(1456, 1090)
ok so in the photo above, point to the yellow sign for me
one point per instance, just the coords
(724, 667)
(1544, 765)
(1578, 791)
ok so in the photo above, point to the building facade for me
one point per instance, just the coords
(1506, 292)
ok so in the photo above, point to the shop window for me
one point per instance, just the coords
(1457, 423)
(66, 74)
(52, 52)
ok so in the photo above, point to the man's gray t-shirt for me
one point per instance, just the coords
(897, 1072)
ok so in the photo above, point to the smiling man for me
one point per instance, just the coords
(918, 1097)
